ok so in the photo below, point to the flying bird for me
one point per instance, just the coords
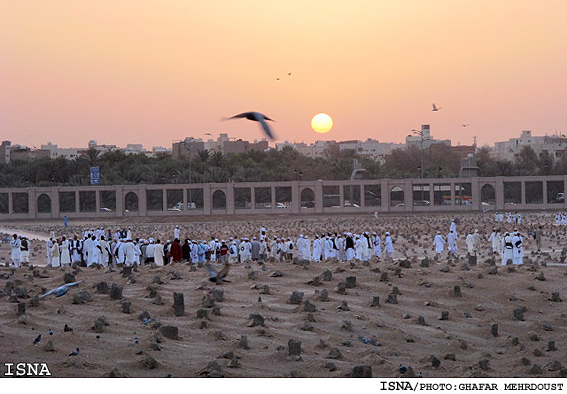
(465, 125)
(74, 353)
(435, 108)
(61, 290)
(256, 117)
(36, 340)
(218, 277)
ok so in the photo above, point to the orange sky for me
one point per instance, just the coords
(152, 72)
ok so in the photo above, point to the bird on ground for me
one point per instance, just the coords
(74, 353)
(435, 108)
(218, 277)
(67, 328)
(37, 339)
(50, 332)
(146, 321)
(402, 369)
(256, 117)
(61, 290)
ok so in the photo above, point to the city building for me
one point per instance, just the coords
(555, 145)
(424, 137)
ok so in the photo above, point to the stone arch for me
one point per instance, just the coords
(307, 198)
(43, 203)
(131, 202)
(397, 197)
(488, 194)
(219, 200)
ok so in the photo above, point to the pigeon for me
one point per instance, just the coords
(50, 331)
(465, 125)
(61, 290)
(218, 277)
(67, 328)
(435, 108)
(402, 369)
(74, 353)
(136, 340)
(36, 340)
(257, 117)
(146, 321)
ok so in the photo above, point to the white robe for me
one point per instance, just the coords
(65, 253)
(55, 262)
(159, 254)
(507, 251)
(317, 250)
(439, 243)
(470, 244)
(16, 254)
(377, 247)
(518, 250)
(452, 242)
(389, 246)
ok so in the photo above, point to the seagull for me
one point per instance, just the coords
(218, 277)
(74, 353)
(257, 117)
(402, 369)
(435, 108)
(36, 340)
(61, 290)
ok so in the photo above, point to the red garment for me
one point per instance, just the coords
(176, 252)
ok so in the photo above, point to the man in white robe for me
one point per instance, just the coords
(317, 249)
(439, 243)
(340, 243)
(377, 246)
(65, 258)
(328, 248)
(518, 249)
(470, 245)
(25, 250)
(94, 252)
(452, 242)
(389, 246)
(130, 252)
(159, 253)
(507, 248)
(16, 253)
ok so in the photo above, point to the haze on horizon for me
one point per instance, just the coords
(152, 72)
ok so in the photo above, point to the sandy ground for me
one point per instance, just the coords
(342, 332)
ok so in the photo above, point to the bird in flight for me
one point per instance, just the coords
(256, 117)
(465, 125)
(435, 108)
(59, 291)
(218, 277)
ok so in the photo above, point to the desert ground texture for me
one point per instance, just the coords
(436, 316)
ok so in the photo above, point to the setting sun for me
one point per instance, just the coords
(321, 123)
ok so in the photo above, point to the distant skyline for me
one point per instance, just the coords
(154, 72)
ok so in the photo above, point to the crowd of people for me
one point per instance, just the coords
(103, 247)
(508, 217)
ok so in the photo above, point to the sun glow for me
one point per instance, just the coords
(322, 123)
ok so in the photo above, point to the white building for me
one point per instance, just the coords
(424, 135)
(315, 149)
(507, 150)
(371, 148)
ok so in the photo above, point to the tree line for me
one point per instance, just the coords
(118, 168)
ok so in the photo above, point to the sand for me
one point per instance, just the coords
(383, 336)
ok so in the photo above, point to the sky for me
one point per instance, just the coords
(155, 72)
